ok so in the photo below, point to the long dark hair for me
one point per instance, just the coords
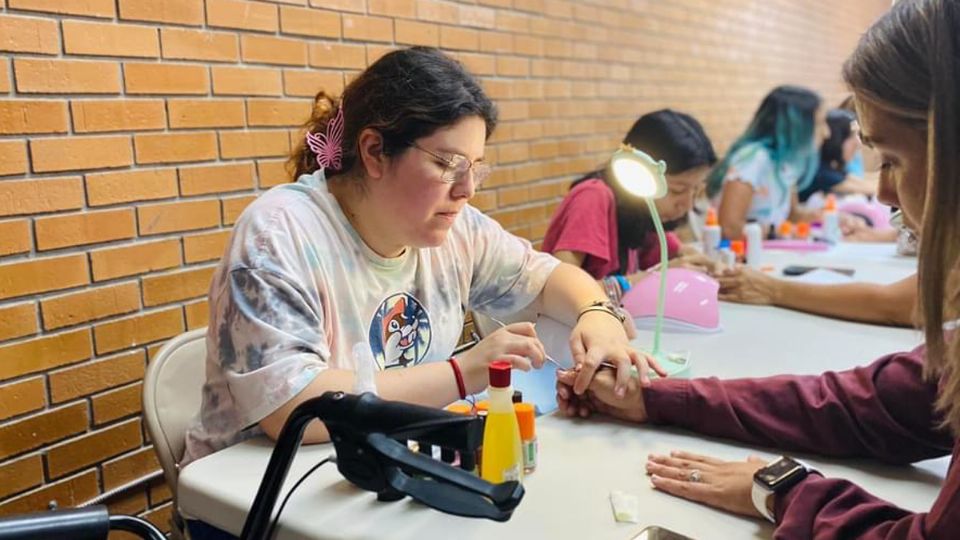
(674, 137)
(784, 126)
(840, 122)
(405, 95)
(907, 65)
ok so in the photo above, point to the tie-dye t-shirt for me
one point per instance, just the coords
(298, 288)
(771, 192)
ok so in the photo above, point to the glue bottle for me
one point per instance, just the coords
(502, 455)
(753, 235)
(527, 418)
(711, 234)
(831, 220)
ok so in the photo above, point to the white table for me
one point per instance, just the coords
(582, 461)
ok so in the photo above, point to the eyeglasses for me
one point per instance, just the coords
(458, 168)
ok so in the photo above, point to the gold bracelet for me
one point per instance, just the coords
(606, 307)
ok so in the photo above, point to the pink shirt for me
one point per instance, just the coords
(586, 221)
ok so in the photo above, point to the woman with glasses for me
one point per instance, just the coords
(610, 233)
(368, 261)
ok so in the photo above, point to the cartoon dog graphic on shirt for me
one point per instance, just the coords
(399, 332)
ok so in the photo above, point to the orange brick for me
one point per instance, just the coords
(233, 207)
(21, 475)
(272, 173)
(93, 448)
(308, 83)
(198, 314)
(130, 186)
(205, 246)
(13, 157)
(478, 64)
(528, 45)
(41, 429)
(338, 55)
(375, 52)
(309, 22)
(92, 377)
(28, 34)
(175, 286)
(216, 179)
(200, 113)
(242, 15)
(92, 8)
(241, 144)
(160, 492)
(454, 37)
(165, 79)
(362, 28)
(178, 216)
(110, 39)
(246, 81)
(437, 11)
(358, 6)
(499, 42)
(138, 330)
(114, 404)
(66, 76)
(135, 259)
(161, 515)
(273, 50)
(73, 153)
(14, 236)
(68, 493)
(417, 33)
(480, 17)
(36, 196)
(121, 115)
(131, 502)
(43, 353)
(40, 275)
(181, 43)
(18, 320)
(392, 8)
(188, 12)
(5, 76)
(278, 112)
(130, 467)
(512, 66)
(89, 305)
(84, 228)
(22, 397)
(175, 147)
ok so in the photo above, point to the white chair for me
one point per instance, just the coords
(171, 400)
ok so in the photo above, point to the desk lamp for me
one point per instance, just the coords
(641, 176)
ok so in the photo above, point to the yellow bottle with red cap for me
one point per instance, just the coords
(502, 455)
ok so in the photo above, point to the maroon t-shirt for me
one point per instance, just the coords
(586, 221)
(884, 410)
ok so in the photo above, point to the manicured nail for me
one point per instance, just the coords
(620, 391)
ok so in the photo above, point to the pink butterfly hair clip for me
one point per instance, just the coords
(328, 146)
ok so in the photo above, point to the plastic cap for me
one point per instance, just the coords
(803, 229)
(500, 374)
(712, 217)
(831, 203)
(786, 228)
(527, 419)
(724, 244)
(459, 408)
(517, 396)
(737, 247)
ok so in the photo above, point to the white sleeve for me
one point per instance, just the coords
(508, 273)
(751, 164)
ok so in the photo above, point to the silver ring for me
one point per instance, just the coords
(694, 476)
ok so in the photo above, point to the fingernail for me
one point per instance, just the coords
(620, 392)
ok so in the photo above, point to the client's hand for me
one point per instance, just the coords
(745, 285)
(600, 396)
(713, 482)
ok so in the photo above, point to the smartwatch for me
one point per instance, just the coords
(775, 477)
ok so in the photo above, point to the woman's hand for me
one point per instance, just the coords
(600, 336)
(745, 285)
(697, 261)
(517, 343)
(722, 484)
(601, 397)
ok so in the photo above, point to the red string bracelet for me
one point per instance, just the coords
(461, 388)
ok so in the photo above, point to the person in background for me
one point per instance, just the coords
(368, 260)
(759, 178)
(838, 150)
(902, 408)
(610, 233)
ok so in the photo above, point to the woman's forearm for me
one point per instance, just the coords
(891, 304)
(568, 289)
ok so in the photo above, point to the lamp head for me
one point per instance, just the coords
(638, 173)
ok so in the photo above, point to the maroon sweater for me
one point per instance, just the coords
(884, 411)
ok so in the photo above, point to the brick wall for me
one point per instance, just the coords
(133, 132)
